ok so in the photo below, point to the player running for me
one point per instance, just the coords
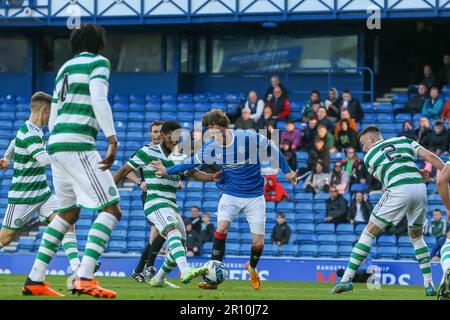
(145, 270)
(81, 178)
(29, 192)
(161, 206)
(240, 154)
(392, 161)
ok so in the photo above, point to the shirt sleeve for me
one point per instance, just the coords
(415, 146)
(203, 156)
(9, 153)
(33, 144)
(139, 160)
(274, 153)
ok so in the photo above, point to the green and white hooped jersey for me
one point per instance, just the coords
(75, 127)
(392, 161)
(161, 191)
(29, 183)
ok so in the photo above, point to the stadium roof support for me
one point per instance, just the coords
(126, 12)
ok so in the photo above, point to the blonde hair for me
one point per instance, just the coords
(40, 99)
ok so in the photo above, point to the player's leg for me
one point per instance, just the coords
(444, 288)
(255, 211)
(137, 272)
(16, 215)
(157, 242)
(47, 212)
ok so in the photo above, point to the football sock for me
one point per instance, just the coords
(219, 246)
(69, 243)
(155, 248)
(177, 250)
(255, 255)
(445, 256)
(168, 265)
(98, 237)
(51, 239)
(143, 259)
(359, 253)
(423, 258)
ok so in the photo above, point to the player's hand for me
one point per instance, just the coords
(425, 175)
(108, 161)
(143, 186)
(4, 164)
(216, 177)
(292, 177)
(160, 168)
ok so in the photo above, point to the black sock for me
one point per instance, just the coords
(255, 255)
(143, 259)
(219, 246)
(154, 250)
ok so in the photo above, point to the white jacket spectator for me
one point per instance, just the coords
(255, 105)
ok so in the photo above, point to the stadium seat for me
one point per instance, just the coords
(402, 117)
(344, 229)
(344, 251)
(359, 228)
(326, 239)
(387, 253)
(136, 246)
(119, 246)
(406, 253)
(328, 251)
(325, 228)
(305, 218)
(184, 97)
(307, 250)
(385, 240)
(305, 239)
(200, 98)
(152, 98)
(347, 240)
(168, 98)
(285, 207)
(231, 249)
(286, 250)
(321, 197)
(119, 235)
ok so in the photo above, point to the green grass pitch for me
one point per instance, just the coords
(127, 289)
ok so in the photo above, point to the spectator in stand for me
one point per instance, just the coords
(310, 134)
(345, 115)
(207, 229)
(340, 178)
(347, 137)
(320, 152)
(275, 82)
(245, 122)
(439, 139)
(436, 227)
(292, 134)
(360, 210)
(415, 102)
(322, 117)
(266, 119)
(193, 242)
(355, 167)
(408, 131)
(428, 77)
(318, 181)
(281, 108)
(309, 110)
(336, 207)
(323, 133)
(289, 154)
(352, 105)
(436, 250)
(332, 104)
(445, 72)
(433, 106)
(281, 232)
(445, 114)
(195, 219)
(424, 132)
(273, 190)
(255, 104)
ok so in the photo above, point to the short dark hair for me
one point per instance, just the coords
(281, 214)
(438, 123)
(315, 92)
(196, 207)
(170, 126)
(290, 121)
(346, 91)
(371, 128)
(438, 210)
(215, 117)
(319, 140)
(288, 142)
(156, 123)
(89, 37)
(40, 99)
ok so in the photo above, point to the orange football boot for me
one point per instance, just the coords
(254, 277)
(40, 290)
(92, 288)
(204, 285)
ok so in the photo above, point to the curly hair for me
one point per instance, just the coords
(215, 117)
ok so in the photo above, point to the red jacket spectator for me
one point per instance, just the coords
(273, 190)
(280, 105)
(445, 114)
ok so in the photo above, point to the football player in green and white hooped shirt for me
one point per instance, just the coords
(392, 161)
(81, 178)
(29, 192)
(161, 207)
(442, 182)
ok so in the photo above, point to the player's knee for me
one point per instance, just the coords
(70, 216)
(415, 235)
(222, 227)
(115, 210)
(258, 244)
(172, 228)
(7, 237)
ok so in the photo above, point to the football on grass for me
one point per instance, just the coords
(216, 272)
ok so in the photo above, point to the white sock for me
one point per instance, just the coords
(360, 252)
(69, 244)
(445, 256)
(177, 250)
(423, 258)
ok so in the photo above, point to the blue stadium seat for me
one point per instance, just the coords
(83, 233)
(344, 229)
(117, 246)
(305, 228)
(344, 251)
(326, 239)
(219, 105)
(168, 97)
(303, 197)
(369, 117)
(207, 247)
(136, 107)
(152, 106)
(120, 98)
(307, 250)
(305, 218)
(137, 225)
(403, 241)
(137, 98)
(329, 251)
(152, 98)
(186, 106)
(136, 246)
(194, 195)
(232, 249)
(386, 240)
(202, 107)
(271, 216)
(325, 228)
(346, 240)
(285, 207)
(305, 239)
(303, 207)
(244, 249)
(319, 207)
(210, 205)
(286, 250)
(84, 223)
(184, 97)
(384, 108)
(152, 116)
(185, 116)
(387, 253)
(26, 243)
(385, 118)
(233, 97)
(359, 187)
(119, 235)
(200, 98)
(210, 195)
(406, 253)
(216, 97)
(195, 186)
(430, 241)
(136, 235)
(321, 197)
(210, 187)
(402, 117)
(233, 237)
(367, 107)
(169, 107)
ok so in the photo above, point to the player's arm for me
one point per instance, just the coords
(274, 153)
(132, 176)
(443, 188)
(431, 158)
(122, 173)
(98, 89)
(34, 146)
(9, 155)
(205, 177)
(139, 160)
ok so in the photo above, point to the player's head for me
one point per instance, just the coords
(155, 131)
(216, 122)
(40, 106)
(89, 37)
(167, 129)
(369, 136)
